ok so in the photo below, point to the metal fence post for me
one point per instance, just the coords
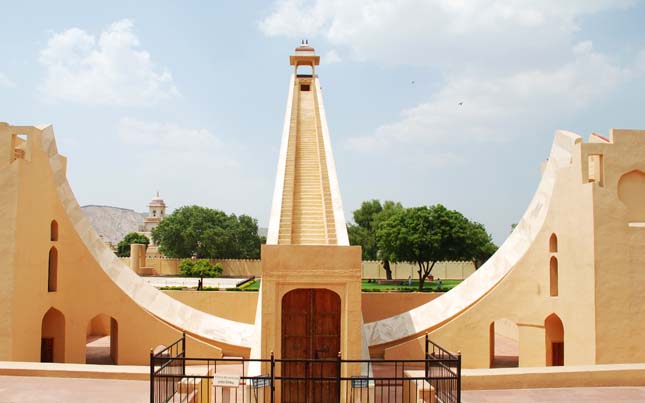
(183, 353)
(459, 376)
(427, 358)
(338, 373)
(152, 377)
(272, 377)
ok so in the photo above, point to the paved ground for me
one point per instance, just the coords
(191, 282)
(561, 395)
(14, 389)
(24, 389)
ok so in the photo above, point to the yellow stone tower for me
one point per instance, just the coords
(311, 277)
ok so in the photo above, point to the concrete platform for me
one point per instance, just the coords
(561, 395)
(56, 370)
(554, 377)
(34, 389)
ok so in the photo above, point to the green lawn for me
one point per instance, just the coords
(403, 286)
(372, 287)
(252, 286)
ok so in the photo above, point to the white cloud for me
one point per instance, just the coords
(513, 63)
(460, 34)
(199, 166)
(332, 57)
(5, 81)
(109, 70)
(187, 150)
(165, 136)
(496, 109)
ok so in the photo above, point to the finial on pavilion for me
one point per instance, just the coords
(304, 55)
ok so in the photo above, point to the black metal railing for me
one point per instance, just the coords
(167, 362)
(443, 372)
(176, 378)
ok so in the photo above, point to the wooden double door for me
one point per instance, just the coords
(310, 332)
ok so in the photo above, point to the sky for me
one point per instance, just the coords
(187, 98)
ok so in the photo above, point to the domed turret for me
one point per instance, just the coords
(156, 212)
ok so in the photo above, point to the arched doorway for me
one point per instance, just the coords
(310, 330)
(102, 340)
(305, 70)
(52, 336)
(504, 344)
(554, 339)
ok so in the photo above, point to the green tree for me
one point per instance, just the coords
(363, 233)
(206, 233)
(480, 244)
(123, 247)
(427, 235)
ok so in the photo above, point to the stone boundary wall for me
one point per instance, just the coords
(164, 266)
(444, 270)
(370, 269)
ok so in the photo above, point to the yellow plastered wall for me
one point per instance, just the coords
(84, 290)
(523, 296)
(335, 268)
(8, 203)
(289, 267)
(619, 248)
(374, 305)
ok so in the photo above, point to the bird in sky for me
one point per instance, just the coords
(412, 81)
(461, 103)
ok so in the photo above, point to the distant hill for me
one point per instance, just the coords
(113, 223)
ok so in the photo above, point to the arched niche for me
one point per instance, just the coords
(53, 231)
(102, 340)
(52, 270)
(631, 191)
(52, 336)
(554, 339)
(504, 344)
(553, 277)
(553, 243)
(305, 70)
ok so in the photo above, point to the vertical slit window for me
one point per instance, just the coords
(553, 244)
(52, 272)
(553, 274)
(54, 231)
(596, 169)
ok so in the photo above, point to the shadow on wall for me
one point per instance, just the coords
(631, 191)
(102, 340)
(504, 344)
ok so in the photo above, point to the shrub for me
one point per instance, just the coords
(200, 268)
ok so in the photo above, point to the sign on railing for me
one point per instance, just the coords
(226, 380)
